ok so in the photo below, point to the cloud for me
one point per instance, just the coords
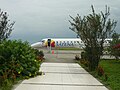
(37, 19)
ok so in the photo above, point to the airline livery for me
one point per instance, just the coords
(63, 42)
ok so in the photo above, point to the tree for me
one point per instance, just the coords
(5, 27)
(114, 49)
(93, 29)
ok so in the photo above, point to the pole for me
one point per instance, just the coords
(50, 48)
(49, 45)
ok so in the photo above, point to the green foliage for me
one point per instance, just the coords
(93, 29)
(77, 57)
(5, 27)
(6, 85)
(112, 70)
(40, 55)
(100, 71)
(108, 72)
(17, 59)
(111, 49)
(82, 55)
(84, 62)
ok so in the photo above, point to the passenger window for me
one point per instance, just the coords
(77, 41)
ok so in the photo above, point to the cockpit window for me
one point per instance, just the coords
(43, 41)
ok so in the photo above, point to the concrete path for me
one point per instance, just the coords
(62, 76)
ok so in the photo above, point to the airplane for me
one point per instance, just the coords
(64, 42)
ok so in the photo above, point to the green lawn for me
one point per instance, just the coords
(112, 69)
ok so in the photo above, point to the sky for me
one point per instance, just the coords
(38, 19)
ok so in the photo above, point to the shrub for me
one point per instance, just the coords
(112, 49)
(40, 55)
(17, 59)
(83, 55)
(84, 62)
(93, 29)
(77, 57)
(100, 71)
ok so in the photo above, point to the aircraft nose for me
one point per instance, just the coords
(37, 45)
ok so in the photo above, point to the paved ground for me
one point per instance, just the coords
(60, 58)
(70, 54)
(61, 73)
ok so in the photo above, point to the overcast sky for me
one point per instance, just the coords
(37, 19)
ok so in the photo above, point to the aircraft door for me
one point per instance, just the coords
(49, 42)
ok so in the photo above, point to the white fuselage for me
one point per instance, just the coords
(64, 42)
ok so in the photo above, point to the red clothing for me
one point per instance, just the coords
(117, 46)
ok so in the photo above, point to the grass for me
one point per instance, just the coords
(112, 70)
(8, 84)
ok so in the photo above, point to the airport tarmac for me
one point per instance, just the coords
(67, 55)
(61, 73)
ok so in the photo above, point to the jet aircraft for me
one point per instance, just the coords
(63, 42)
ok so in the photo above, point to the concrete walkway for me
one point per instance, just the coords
(62, 76)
